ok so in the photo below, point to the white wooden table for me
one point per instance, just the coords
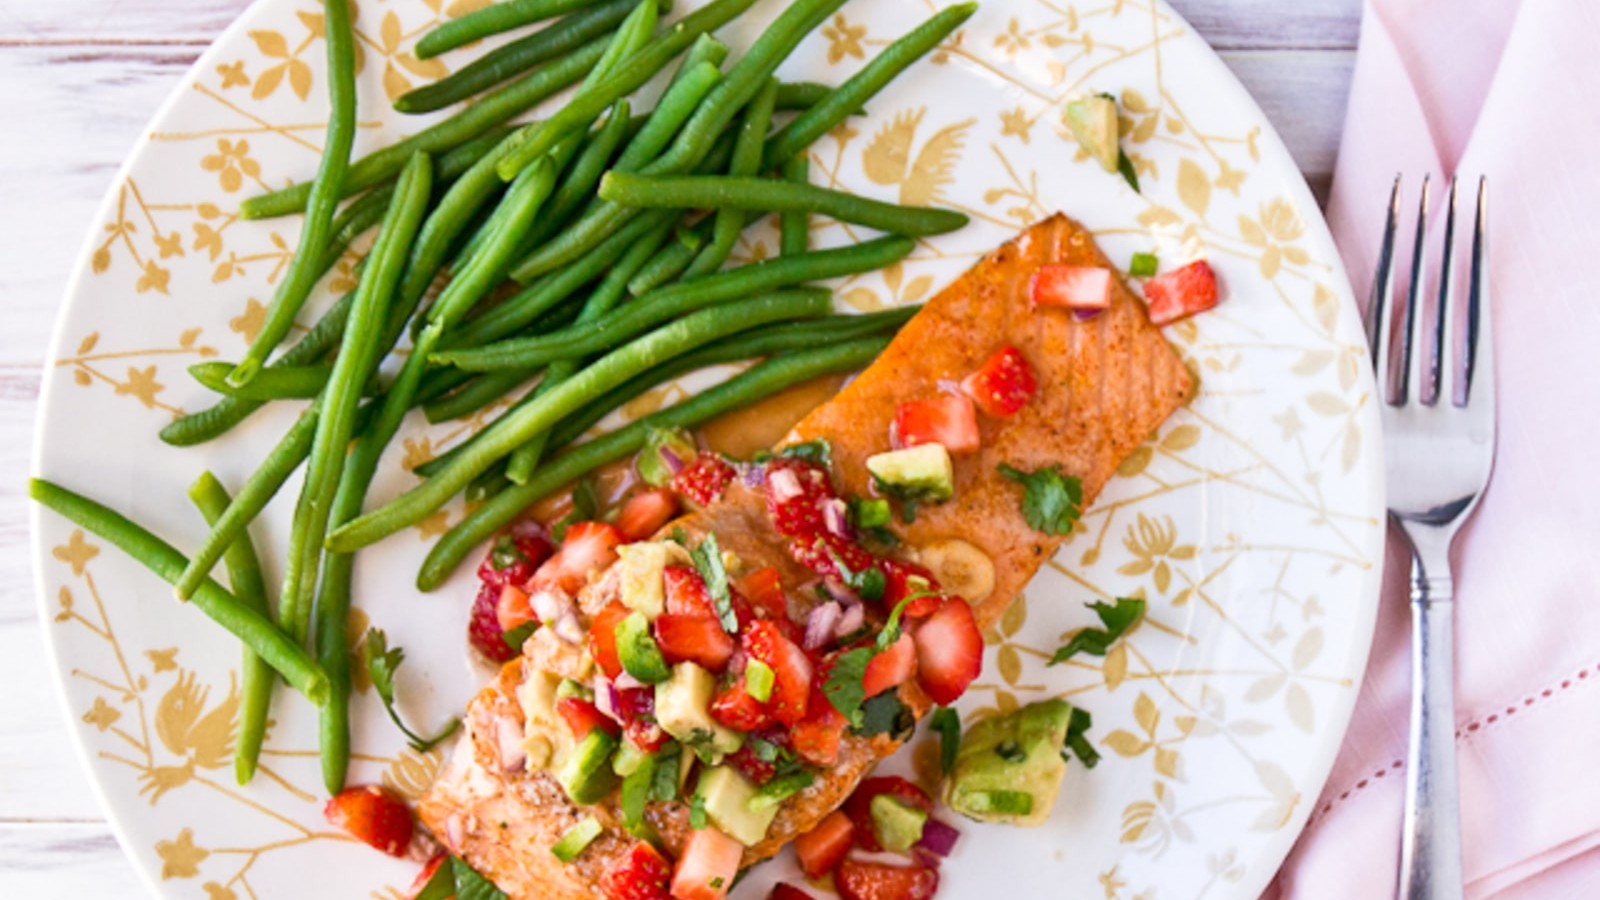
(81, 77)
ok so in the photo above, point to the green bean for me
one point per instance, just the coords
(245, 581)
(536, 139)
(675, 300)
(494, 109)
(489, 21)
(794, 228)
(358, 357)
(333, 651)
(474, 396)
(726, 191)
(252, 628)
(746, 161)
(322, 195)
(862, 86)
(522, 308)
(274, 383)
(487, 268)
(492, 481)
(674, 108)
(511, 431)
(769, 340)
(670, 261)
(802, 95)
(516, 57)
(762, 380)
(578, 184)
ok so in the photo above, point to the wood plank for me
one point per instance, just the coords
(1227, 24)
(64, 860)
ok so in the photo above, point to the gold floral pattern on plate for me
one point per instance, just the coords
(1250, 523)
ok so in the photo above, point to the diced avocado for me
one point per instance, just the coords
(629, 758)
(1009, 767)
(545, 736)
(652, 466)
(683, 710)
(758, 680)
(1093, 122)
(922, 472)
(577, 839)
(897, 824)
(640, 566)
(586, 775)
(569, 688)
(726, 795)
(638, 651)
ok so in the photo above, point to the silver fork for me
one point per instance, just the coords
(1439, 428)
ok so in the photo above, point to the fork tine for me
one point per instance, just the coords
(1437, 361)
(1477, 395)
(1381, 300)
(1380, 308)
(1408, 341)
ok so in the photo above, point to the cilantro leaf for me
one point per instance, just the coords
(697, 812)
(818, 451)
(664, 780)
(506, 553)
(470, 885)
(519, 635)
(1051, 501)
(442, 886)
(844, 688)
(708, 561)
(947, 722)
(1077, 743)
(1125, 167)
(870, 582)
(884, 714)
(585, 506)
(636, 789)
(381, 663)
(1096, 641)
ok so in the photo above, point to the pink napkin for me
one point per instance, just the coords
(1512, 91)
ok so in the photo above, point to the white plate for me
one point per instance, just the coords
(1251, 522)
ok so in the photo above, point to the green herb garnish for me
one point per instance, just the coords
(818, 451)
(382, 662)
(1077, 743)
(585, 506)
(884, 714)
(519, 635)
(1125, 167)
(947, 722)
(780, 789)
(708, 561)
(1096, 641)
(697, 812)
(506, 553)
(664, 780)
(470, 885)
(1051, 501)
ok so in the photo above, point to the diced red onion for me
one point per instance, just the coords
(568, 629)
(852, 620)
(755, 475)
(605, 698)
(455, 829)
(508, 740)
(670, 458)
(550, 604)
(836, 518)
(840, 592)
(784, 484)
(1084, 315)
(626, 682)
(528, 528)
(938, 838)
(821, 623)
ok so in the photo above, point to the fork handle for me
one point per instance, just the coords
(1430, 851)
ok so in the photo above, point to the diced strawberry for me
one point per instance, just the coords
(703, 480)
(374, 815)
(796, 490)
(733, 707)
(645, 512)
(764, 588)
(603, 637)
(791, 689)
(686, 592)
(901, 579)
(821, 848)
(858, 880)
(582, 717)
(637, 709)
(783, 891)
(1003, 384)
(589, 547)
(483, 626)
(859, 806)
(708, 866)
(891, 668)
(949, 651)
(750, 764)
(1181, 292)
(1075, 287)
(642, 874)
(515, 557)
(817, 737)
(949, 419)
(512, 609)
(824, 553)
(426, 875)
(696, 639)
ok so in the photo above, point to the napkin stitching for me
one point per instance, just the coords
(1577, 679)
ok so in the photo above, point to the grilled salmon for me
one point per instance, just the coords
(1104, 385)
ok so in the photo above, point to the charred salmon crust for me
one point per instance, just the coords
(1105, 384)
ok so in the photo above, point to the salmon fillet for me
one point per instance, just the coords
(1105, 384)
